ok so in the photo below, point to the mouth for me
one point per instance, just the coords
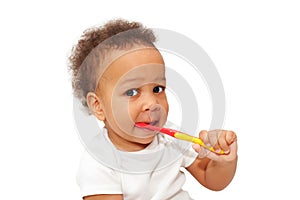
(141, 125)
(153, 123)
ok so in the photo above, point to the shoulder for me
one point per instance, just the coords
(95, 178)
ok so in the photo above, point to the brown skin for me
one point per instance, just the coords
(213, 171)
(142, 70)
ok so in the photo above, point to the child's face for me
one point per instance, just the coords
(132, 90)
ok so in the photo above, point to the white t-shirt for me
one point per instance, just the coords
(163, 182)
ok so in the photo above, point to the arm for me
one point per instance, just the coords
(104, 197)
(214, 171)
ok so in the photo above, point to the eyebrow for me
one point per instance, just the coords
(130, 80)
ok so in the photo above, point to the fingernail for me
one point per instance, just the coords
(227, 151)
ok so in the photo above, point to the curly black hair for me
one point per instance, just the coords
(89, 52)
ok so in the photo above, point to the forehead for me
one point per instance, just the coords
(136, 64)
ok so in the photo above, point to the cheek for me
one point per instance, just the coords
(115, 108)
(167, 107)
(133, 110)
(165, 104)
(120, 109)
(125, 112)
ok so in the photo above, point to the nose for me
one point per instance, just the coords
(154, 108)
(150, 103)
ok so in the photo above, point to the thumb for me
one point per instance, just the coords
(202, 152)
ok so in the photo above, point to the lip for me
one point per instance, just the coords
(152, 123)
(148, 131)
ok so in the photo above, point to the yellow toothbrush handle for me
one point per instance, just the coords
(183, 136)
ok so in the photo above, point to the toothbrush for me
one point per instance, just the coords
(179, 135)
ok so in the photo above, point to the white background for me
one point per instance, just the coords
(255, 46)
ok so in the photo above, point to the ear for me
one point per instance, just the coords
(95, 105)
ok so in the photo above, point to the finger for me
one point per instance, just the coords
(196, 147)
(230, 137)
(233, 152)
(203, 152)
(223, 143)
(214, 139)
(213, 156)
(203, 136)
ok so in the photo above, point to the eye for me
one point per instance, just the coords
(131, 92)
(158, 89)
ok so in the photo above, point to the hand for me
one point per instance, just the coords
(219, 139)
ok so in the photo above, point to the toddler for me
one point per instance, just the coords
(119, 76)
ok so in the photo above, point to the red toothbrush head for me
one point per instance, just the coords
(170, 132)
(141, 124)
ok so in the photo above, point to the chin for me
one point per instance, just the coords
(146, 140)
